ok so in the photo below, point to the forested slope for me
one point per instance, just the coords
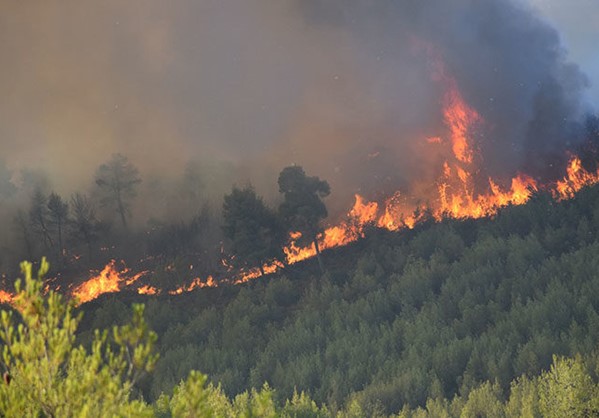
(398, 317)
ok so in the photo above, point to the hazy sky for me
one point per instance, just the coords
(578, 23)
(326, 84)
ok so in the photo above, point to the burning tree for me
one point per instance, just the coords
(303, 208)
(254, 229)
(117, 179)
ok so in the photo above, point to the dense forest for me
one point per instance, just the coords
(496, 316)
(446, 310)
(47, 374)
(300, 208)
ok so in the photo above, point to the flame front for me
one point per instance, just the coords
(459, 193)
(147, 290)
(576, 178)
(458, 190)
(111, 280)
(196, 283)
(107, 281)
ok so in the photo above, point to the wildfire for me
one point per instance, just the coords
(109, 280)
(457, 194)
(147, 290)
(196, 283)
(576, 178)
(456, 198)
(460, 190)
(246, 276)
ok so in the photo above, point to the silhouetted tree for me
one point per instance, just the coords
(39, 217)
(117, 179)
(254, 229)
(22, 226)
(303, 208)
(85, 225)
(58, 211)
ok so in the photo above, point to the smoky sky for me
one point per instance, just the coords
(338, 86)
(579, 31)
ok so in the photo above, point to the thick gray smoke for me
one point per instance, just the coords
(509, 65)
(338, 86)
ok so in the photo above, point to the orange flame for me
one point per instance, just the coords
(576, 178)
(109, 280)
(196, 283)
(460, 191)
(6, 297)
(147, 290)
(461, 119)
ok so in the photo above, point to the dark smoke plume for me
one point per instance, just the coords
(508, 63)
(338, 86)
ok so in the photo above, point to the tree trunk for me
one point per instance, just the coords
(48, 239)
(60, 239)
(320, 264)
(48, 242)
(121, 210)
(60, 248)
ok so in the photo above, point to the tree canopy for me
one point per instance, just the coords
(254, 229)
(46, 374)
(302, 207)
(117, 180)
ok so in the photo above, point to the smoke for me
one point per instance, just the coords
(576, 20)
(508, 64)
(338, 86)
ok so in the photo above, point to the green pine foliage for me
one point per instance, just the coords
(253, 229)
(495, 317)
(399, 319)
(47, 374)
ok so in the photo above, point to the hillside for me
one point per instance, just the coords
(398, 317)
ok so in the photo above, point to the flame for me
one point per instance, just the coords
(461, 119)
(362, 213)
(196, 283)
(148, 290)
(457, 198)
(109, 280)
(460, 190)
(6, 297)
(576, 178)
